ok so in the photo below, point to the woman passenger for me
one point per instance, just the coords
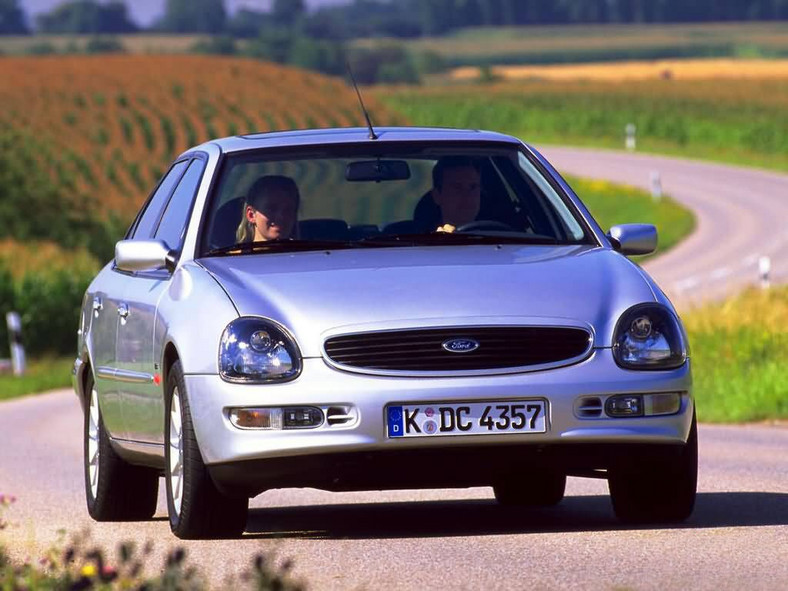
(270, 210)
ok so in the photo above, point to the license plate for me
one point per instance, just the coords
(471, 418)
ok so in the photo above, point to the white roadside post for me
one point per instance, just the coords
(14, 323)
(656, 185)
(630, 130)
(764, 268)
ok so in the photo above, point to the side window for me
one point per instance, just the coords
(173, 223)
(152, 212)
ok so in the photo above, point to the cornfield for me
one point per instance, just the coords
(107, 127)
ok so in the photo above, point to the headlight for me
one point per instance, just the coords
(648, 336)
(254, 350)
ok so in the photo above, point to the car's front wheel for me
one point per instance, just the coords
(115, 489)
(544, 490)
(197, 509)
(660, 492)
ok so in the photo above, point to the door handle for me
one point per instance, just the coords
(123, 311)
(98, 305)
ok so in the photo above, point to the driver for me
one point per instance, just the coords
(456, 190)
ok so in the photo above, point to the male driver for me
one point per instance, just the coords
(456, 190)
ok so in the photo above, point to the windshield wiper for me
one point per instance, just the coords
(279, 246)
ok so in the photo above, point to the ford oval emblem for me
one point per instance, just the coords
(460, 345)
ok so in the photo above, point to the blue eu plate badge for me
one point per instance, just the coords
(396, 427)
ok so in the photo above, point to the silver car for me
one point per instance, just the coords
(402, 308)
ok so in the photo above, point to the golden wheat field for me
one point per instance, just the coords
(685, 69)
(113, 123)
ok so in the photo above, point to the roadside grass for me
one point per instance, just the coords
(612, 204)
(739, 351)
(42, 375)
(743, 122)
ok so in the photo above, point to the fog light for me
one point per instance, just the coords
(628, 405)
(303, 417)
(662, 404)
(256, 418)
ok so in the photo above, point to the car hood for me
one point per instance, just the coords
(320, 294)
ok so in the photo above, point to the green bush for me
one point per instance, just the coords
(49, 304)
(42, 48)
(104, 45)
(6, 305)
(221, 45)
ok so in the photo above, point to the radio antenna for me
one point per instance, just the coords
(372, 134)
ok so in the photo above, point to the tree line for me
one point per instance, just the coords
(398, 18)
(318, 40)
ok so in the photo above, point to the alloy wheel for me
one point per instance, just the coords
(176, 451)
(93, 443)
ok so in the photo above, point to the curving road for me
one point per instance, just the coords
(742, 216)
(737, 536)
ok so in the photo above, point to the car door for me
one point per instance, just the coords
(102, 335)
(139, 339)
(108, 311)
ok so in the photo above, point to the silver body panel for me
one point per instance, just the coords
(315, 295)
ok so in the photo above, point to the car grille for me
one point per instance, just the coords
(422, 350)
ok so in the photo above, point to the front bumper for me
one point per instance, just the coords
(226, 448)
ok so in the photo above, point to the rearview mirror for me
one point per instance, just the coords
(144, 255)
(377, 170)
(633, 238)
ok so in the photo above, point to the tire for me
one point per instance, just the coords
(545, 491)
(115, 490)
(664, 494)
(197, 509)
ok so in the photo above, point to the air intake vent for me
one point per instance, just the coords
(459, 349)
(588, 407)
(340, 415)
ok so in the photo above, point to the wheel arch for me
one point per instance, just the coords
(169, 357)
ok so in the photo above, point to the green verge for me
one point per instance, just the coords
(739, 351)
(42, 375)
(612, 204)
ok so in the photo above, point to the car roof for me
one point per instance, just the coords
(356, 135)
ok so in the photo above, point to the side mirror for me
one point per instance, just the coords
(633, 238)
(144, 255)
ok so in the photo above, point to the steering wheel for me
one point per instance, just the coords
(484, 225)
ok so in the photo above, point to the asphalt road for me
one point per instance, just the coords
(742, 216)
(737, 536)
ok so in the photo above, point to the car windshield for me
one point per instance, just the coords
(378, 197)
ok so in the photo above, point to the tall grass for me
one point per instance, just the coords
(740, 357)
